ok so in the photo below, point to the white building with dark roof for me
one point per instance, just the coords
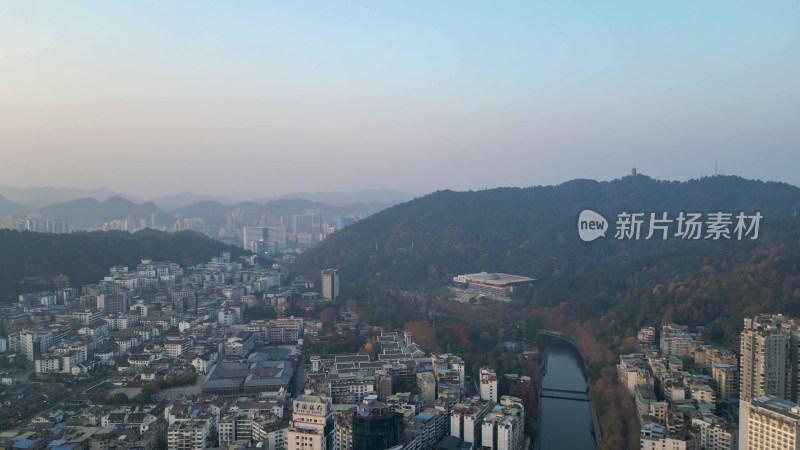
(496, 285)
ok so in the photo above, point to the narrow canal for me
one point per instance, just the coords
(565, 424)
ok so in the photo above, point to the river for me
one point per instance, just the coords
(565, 424)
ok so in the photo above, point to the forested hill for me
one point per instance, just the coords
(533, 232)
(86, 257)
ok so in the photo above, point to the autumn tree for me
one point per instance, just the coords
(423, 334)
(327, 315)
(460, 332)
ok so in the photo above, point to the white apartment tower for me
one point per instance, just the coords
(765, 358)
(488, 380)
(330, 284)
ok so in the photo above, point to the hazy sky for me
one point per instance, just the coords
(255, 99)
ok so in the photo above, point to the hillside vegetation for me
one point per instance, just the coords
(615, 285)
(86, 257)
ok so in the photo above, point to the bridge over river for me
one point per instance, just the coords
(565, 394)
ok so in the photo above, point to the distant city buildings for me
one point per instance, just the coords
(189, 223)
(249, 227)
(263, 239)
(37, 223)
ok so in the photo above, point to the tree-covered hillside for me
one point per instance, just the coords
(621, 283)
(86, 257)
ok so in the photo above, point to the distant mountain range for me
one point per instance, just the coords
(9, 208)
(214, 213)
(170, 202)
(36, 197)
(39, 197)
(89, 213)
(344, 199)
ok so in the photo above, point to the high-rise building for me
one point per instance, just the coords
(466, 419)
(330, 284)
(764, 359)
(426, 385)
(36, 342)
(278, 236)
(344, 427)
(111, 303)
(502, 428)
(302, 223)
(270, 237)
(376, 425)
(726, 380)
(769, 423)
(488, 380)
(254, 234)
(312, 425)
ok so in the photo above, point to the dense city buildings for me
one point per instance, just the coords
(248, 383)
(237, 380)
(157, 323)
(683, 409)
(260, 240)
(677, 408)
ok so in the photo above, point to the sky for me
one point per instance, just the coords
(255, 99)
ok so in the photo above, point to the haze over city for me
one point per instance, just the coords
(251, 100)
(290, 225)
